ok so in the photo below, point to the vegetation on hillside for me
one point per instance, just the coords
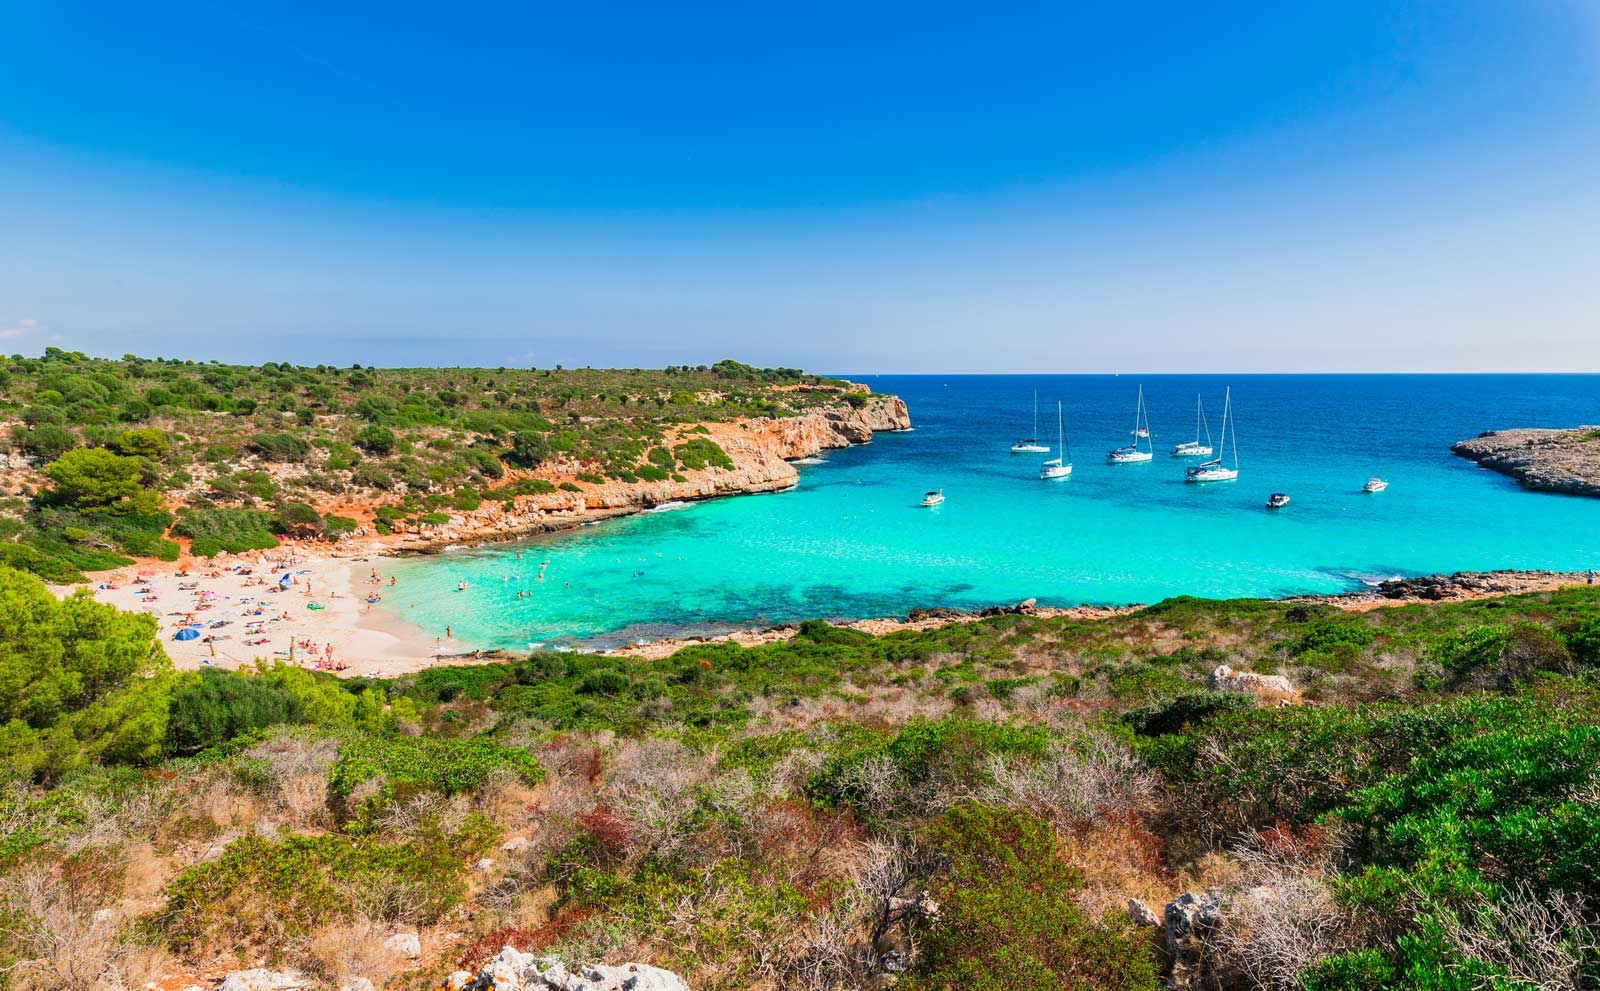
(967, 807)
(109, 454)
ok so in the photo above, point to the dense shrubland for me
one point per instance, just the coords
(966, 807)
(109, 454)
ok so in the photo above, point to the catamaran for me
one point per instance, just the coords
(1032, 445)
(1058, 467)
(1213, 471)
(1193, 448)
(1141, 431)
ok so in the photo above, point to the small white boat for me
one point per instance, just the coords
(1277, 500)
(1058, 467)
(1032, 445)
(1213, 471)
(1133, 453)
(933, 498)
(1193, 448)
(1374, 485)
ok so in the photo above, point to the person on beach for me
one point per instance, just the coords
(1590, 576)
(447, 634)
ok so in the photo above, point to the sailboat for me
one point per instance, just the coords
(1193, 448)
(1213, 471)
(1032, 445)
(1141, 431)
(1058, 467)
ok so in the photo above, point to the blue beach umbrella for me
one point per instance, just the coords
(187, 633)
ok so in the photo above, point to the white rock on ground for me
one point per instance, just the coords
(512, 970)
(406, 944)
(261, 979)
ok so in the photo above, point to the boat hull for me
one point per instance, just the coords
(1029, 449)
(1055, 471)
(1131, 457)
(1212, 475)
(1191, 451)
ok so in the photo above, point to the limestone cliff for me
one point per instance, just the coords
(760, 450)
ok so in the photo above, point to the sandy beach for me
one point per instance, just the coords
(307, 607)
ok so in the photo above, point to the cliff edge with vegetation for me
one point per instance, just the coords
(108, 461)
(1566, 461)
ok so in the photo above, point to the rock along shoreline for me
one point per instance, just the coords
(1565, 461)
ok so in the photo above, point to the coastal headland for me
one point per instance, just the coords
(1565, 461)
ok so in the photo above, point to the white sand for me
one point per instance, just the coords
(366, 640)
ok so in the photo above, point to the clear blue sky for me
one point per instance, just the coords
(1058, 187)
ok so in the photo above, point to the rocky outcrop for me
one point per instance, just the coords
(1472, 584)
(761, 450)
(1544, 460)
(512, 970)
(1268, 689)
(1186, 925)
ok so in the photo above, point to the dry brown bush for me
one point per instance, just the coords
(1283, 917)
(65, 936)
(1078, 779)
(655, 785)
(339, 954)
(296, 768)
(1541, 939)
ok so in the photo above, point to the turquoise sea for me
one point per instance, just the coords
(852, 542)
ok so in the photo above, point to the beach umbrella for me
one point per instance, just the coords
(187, 633)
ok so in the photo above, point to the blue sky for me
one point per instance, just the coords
(932, 187)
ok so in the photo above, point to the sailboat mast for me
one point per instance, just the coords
(1233, 430)
(1035, 434)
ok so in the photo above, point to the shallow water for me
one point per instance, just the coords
(851, 541)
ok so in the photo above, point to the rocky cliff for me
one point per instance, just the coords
(760, 450)
(1544, 460)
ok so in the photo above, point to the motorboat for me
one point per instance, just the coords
(1374, 485)
(1277, 500)
(933, 498)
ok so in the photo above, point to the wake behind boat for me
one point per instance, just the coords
(1032, 445)
(1213, 471)
(1133, 453)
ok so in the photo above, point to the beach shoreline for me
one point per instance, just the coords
(325, 604)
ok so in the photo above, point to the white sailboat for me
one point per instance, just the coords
(1213, 471)
(1141, 431)
(1193, 448)
(1032, 445)
(1058, 467)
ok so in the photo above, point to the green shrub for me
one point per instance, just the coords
(283, 448)
(214, 706)
(423, 764)
(79, 681)
(1189, 709)
(1009, 917)
(262, 892)
(92, 477)
(376, 439)
(702, 452)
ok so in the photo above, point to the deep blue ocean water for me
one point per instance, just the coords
(852, 542)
